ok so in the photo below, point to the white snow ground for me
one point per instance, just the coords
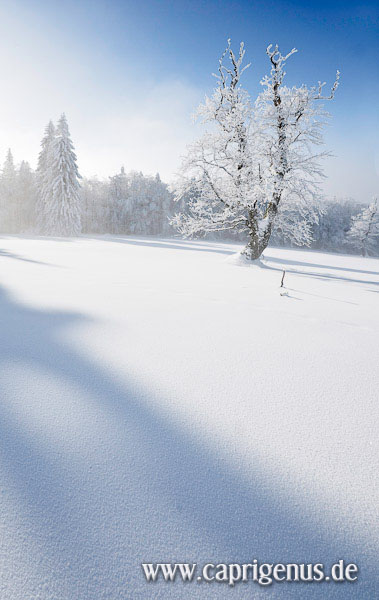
(162, 403)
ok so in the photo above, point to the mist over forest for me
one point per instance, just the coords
(130, 202)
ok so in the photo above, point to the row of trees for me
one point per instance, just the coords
(131, 203)
(340, 225)
(17, 196)
(56, 200)
(255, 173)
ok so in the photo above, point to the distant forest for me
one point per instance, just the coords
(132, 203)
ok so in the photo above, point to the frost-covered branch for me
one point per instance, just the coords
(257, 160)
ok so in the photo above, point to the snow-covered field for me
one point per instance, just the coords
(161, 403)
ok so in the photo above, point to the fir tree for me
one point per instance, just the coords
(119, 202)
(62, 210)
(26, 197)
(44, 179)
(9, 170)
(8, 194)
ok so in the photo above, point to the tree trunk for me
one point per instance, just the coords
(258, 242)
(252, 249)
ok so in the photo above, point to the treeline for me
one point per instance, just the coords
(340, 225)
(55, 200)
(18, 195)
(125, 203)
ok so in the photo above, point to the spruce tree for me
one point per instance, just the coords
(62, 208)
(26, 197)
(119, 202)
(8, 184)
(44, 188)
(9, 170)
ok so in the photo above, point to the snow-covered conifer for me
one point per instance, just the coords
(8, 194)
(95, 206)
(9, 169)
(62, 215)
(119, 202)
(44, 178)
(26, 197)
(46, 143)
(364, 232)
(150, 205)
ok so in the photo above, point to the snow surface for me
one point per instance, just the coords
(160, 402)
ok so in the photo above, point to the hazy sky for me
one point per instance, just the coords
(130, 74)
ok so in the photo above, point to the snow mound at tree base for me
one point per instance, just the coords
(240, 260)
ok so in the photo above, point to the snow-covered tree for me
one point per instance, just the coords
(290, 123)
(164, 207)
(119, 202)
(8, 195)
(127, 203)
(150, 205)
(17, 196)
(334, 220)
(364, 232)
(44, 177)
(95, 206)
(26, 197)
(61, 212)
(255, 158)
(218, 169)
(9, 169)
(295, 222)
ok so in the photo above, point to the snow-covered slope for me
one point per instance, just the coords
(160, 402)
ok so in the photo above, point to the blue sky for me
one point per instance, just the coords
(129, 75)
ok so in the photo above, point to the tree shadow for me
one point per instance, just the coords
(167, 243)
(12, 255)
(37, 237)
(324, 297)
(291, 261)
(163, 492)
(319, 276)
(150, 241)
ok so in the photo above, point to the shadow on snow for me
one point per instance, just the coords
(291, 261)
(103, 529)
